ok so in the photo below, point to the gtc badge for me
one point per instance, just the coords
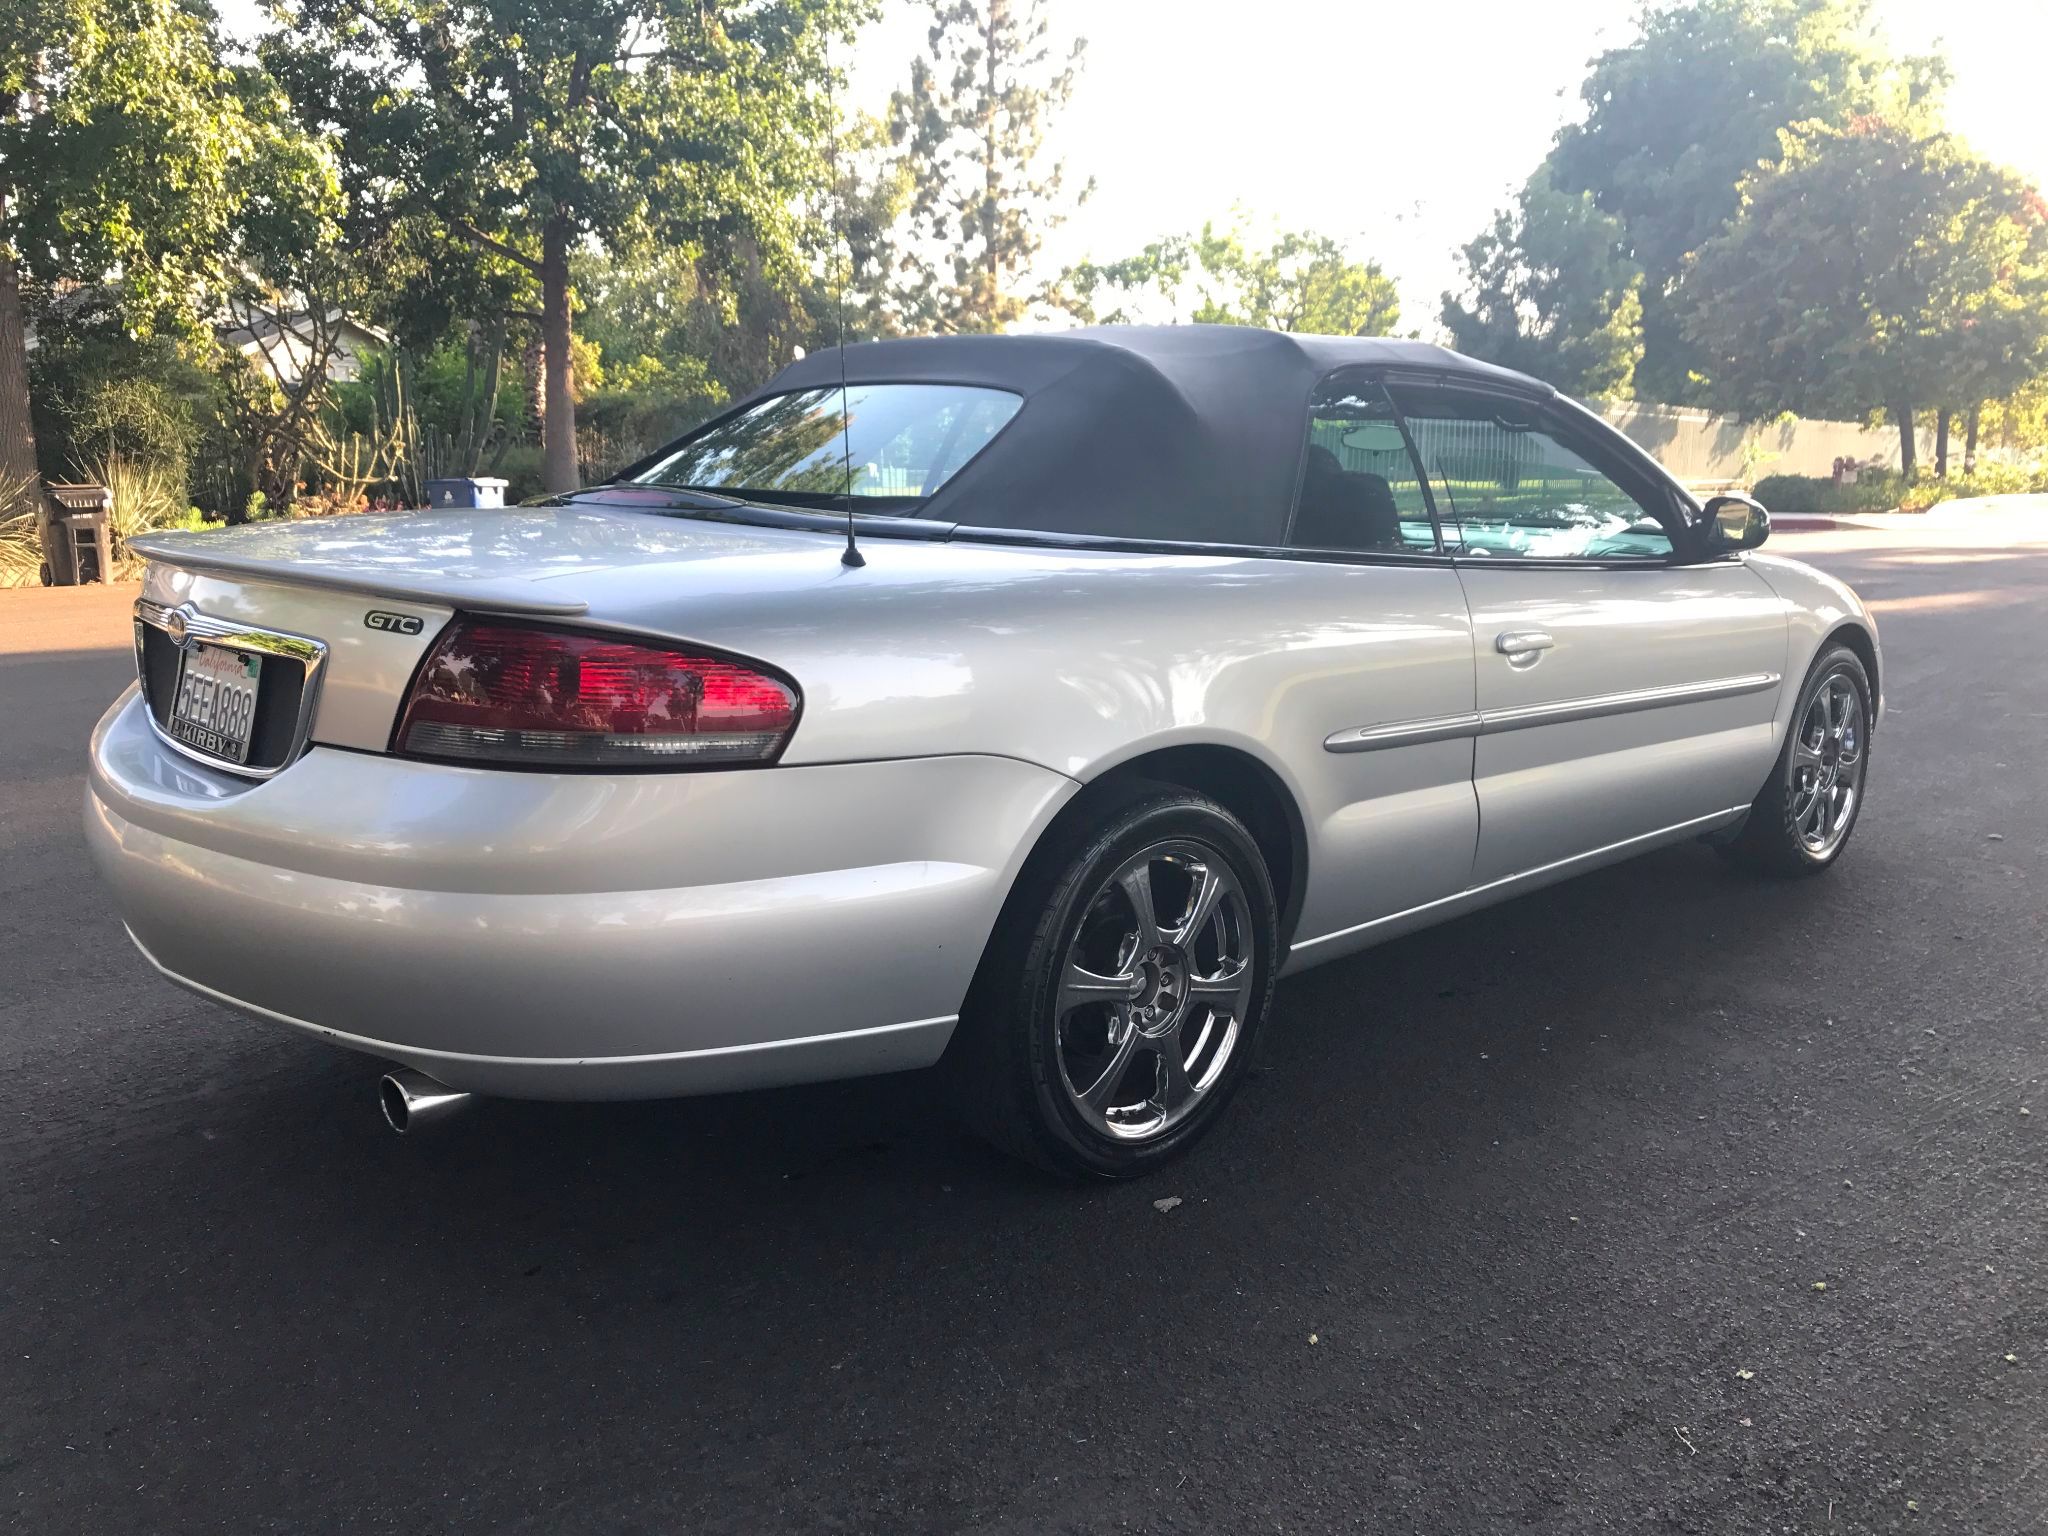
(394, 623)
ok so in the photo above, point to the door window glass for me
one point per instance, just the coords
(1508, 487)
(1359, 487)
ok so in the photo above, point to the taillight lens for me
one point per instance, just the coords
(516, 693)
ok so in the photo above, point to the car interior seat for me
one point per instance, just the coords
(1344, 509)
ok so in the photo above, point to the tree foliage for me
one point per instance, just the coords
(1874, 267)
(1551, 291)
(533, 128)
(1676, 118)
(972, 123)
(138, 163)
(1300, 282)
(136, 158)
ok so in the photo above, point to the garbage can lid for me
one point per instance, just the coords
(83, 498)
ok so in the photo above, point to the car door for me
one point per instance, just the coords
(1373, 687)
(1622, 688)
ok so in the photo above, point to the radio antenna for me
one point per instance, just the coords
(851, 555)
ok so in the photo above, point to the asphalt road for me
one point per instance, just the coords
(1524, 1226)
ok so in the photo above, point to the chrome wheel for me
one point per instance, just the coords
(1827, 766)
(1154, 989)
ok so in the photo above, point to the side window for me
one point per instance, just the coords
(1360, 488)
(1509, 487)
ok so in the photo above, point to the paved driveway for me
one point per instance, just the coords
(1525, 1226)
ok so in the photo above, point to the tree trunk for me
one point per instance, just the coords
(1941, 443)
(1971, 422)
(558, 429)
(21, 482)
(533, 357)
(1909, 451)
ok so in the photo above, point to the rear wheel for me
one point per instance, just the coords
(1115, 1011)
(1802, 818)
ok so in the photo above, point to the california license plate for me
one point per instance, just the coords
(214, 708)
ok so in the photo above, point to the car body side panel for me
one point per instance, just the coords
(1816, 605)
(1074, 660)
(1624, 640)
(1083, 662)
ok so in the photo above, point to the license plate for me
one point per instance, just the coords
(215, 705)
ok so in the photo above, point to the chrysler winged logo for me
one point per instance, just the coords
(178, 624)
(394, 623)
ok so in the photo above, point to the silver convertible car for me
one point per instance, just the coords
(1022, 705)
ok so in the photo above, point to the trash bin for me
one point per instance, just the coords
(486, 492)
(83, 547)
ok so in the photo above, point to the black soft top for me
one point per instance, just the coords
(1182, 432)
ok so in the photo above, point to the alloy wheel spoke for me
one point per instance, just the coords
(1174, 1087)
(1814, 812)
(1228, 985)
(1079, 985)
(1099, 1096)
(1208, 891)
(1137, 886)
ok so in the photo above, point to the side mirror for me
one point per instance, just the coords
(1735, 522)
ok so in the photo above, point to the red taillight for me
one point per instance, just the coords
(512, 693)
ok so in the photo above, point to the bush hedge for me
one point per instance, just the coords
(1888, 491)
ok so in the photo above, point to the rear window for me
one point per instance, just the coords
(904, 442)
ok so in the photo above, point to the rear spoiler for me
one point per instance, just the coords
(191, 554)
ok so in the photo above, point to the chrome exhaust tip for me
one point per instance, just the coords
(413, 1101)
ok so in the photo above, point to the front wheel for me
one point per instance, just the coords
(1115, 1012)
(1802, 818)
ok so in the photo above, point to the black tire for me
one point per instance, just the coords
(1015, 1052)
(1775, 839)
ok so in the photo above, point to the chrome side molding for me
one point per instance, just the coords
(1408, 733)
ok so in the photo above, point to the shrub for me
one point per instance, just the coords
(21, 544)
(1874, 491)
(1886, 491)
(148, 498)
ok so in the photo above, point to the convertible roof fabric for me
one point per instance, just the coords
(1181, 432)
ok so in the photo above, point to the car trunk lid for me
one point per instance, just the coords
(348, 606)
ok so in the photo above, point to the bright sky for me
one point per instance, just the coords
(1397, 127)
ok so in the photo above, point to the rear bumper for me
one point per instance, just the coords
(573, 936)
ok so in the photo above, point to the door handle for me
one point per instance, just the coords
(1522, 646)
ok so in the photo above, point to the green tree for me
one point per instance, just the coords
(1676, 118)
(1872, 267)
(972, 124)
(134, 160)
(871, 284)
(1301, 282)
(1551, 291)
(533, 129)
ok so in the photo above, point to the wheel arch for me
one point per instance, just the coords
(1859, 639)
(1247, 787)
(1237, 779)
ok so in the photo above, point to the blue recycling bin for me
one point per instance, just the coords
(484, 492)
